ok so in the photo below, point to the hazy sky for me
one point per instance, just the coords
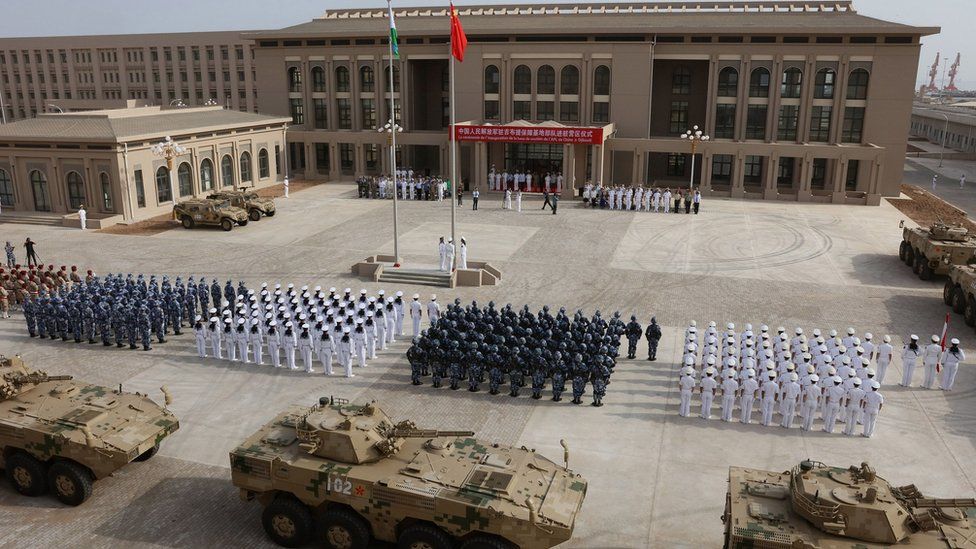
(66, 17)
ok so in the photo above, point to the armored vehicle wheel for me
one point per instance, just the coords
(271, 213)
(288, 522)
(148, 454)
(254, 214)
(71, 483)
(26, 474)
(927, 273)
(344, 530)
(969, 314)
(903, 250)
(226, 224)
(187, 222)
(919, 261)
(909, 256)
(947, 292)
(958, 300)
(242, 223)
(486, 542)
(424, 536)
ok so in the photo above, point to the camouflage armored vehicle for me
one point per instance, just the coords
(349, 475)
(932, 251)
(249, 201)
(815, 506)
(960, 292)
(201, 211)
(61, 435)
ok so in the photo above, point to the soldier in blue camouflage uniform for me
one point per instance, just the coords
(203, 294)
(75, 318)
(539, 373)
(145, 328)
(653, 335)
(88, 319)
(132, 325)
(30, 317)
(580, 373)
(61, 314)
(416, 355)
(599, 376)
(558, 376)
(103, 315)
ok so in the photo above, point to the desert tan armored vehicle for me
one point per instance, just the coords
(351, 475)
(249, 201)
(61, 435)
(815, 506)
(960, 292)
(932, 251)
(201, 211)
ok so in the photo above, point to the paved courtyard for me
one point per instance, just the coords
(656, 480)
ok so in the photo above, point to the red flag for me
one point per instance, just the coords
(945, 332)
(459, 42)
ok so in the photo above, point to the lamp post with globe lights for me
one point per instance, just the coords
(391, 129)
(695, 137)
(169, 149)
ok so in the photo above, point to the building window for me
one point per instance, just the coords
(227, 171)
(396, 78)
(523, 80)
(322, 158)
(722, 168)
(76, 190)
(725, 121)
(676, 165)
(756, 122)
(367, 81)
(818, 178)
(601, 112)
(346, 158)
(784, 175)
(368, 110)
(206, 175)
(106, 183)
(163, 191)
(39, 189)
(792, 83)
(491, 110)
(294, 80)
(728, 82)
(245, 167)
(140, 189)
(492, 83)
(546, 81)
(678, 121)
(601, 80)
(850, 180)
(759, 83)
(342, 79)
(184, 177)
(297, 111)
(321, 113)
(857, 84)
(853, 131)
(371, 156)
(568, 111)
(569, 81)
(789, 118)
(344, 110)
(681, 81)
(820, 123)
(753, 169)
(545, 110)
(522, 110)
(823, 85)
(318, 79)
(6, 189)
(264, 164)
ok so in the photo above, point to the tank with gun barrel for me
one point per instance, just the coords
(814, 506)
(933, 251)
(62, 435)
(351, 475)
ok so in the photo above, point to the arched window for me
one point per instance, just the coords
(39, 189)
(546, 81)
(681, 80)
(294, 79)
(184, 176)
(105, 182)
(728, 82)
(569, 80)
(367, 82)
(318, 79)
(245, 167)
(857, 84)
(264, 164)
(491, 79)
(601, 80)
(342, 79)
(6, 189)
(823, 84)
(759, 83)
(206, 175)
(396, 78)
(523, 80)
(163, 191)
(792, 83)
(76, 190)
(227, 171)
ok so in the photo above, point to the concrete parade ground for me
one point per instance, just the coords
(655, 479)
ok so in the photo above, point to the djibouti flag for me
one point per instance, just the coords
(393, 32)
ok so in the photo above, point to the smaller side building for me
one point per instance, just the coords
(954, 125)
(104, 160)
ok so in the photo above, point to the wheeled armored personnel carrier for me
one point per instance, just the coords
(61, 435)
(202, 211)
(960, 292)
(249, 201)
(814, 506)
(932, 251)
(350, 475)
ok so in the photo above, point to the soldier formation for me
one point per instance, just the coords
(524, 180)
(936, 361)
(473, 345)
(410, 186)
(22, 284)
(640, 199)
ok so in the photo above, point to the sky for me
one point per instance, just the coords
(73, 17)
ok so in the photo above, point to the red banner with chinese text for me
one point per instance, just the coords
(511, 134)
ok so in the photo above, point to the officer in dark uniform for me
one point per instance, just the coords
(633, 332)
(653, 335)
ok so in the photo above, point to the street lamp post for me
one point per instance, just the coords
(169, 149)
(695, 137)
(391, 128)
(945, 134)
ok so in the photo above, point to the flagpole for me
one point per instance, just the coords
(454, 180)
(393, 132)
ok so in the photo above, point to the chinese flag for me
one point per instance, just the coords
(459, 42)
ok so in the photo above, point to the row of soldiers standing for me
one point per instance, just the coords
(409, 188)
(21, 284)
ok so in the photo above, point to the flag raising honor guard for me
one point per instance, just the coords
(458, 44)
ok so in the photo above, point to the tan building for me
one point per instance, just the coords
(71, 73)
(104, 160)
(802, 102)
(953, 125)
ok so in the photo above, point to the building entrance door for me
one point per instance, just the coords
(536, 159)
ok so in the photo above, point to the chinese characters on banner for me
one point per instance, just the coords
(507, 134)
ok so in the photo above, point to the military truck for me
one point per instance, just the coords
(814, 506)
(932, 251)
(960, 292)
(348, 474)
(202, 211)
(249, 201)
(61, 435)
